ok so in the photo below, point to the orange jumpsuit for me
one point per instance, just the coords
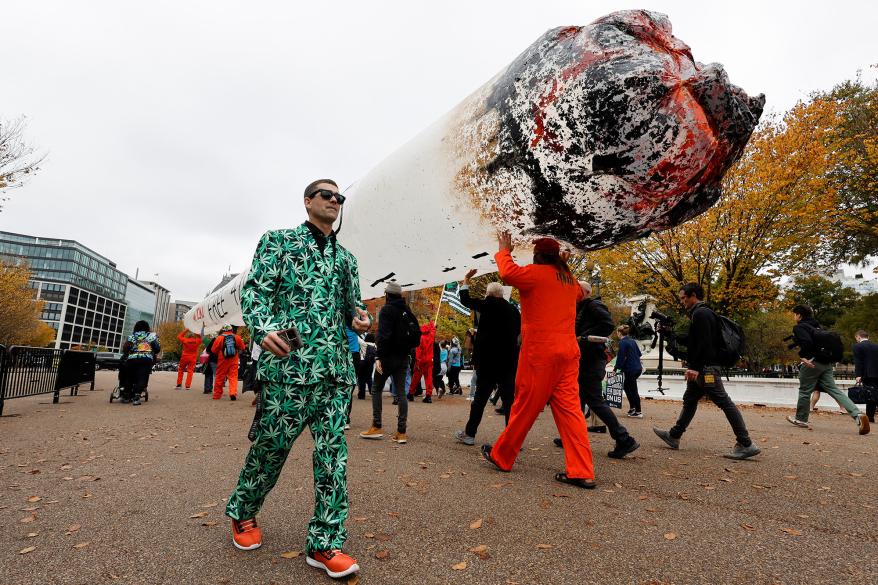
(226, 367)
(423, 365)
(548, 365)
(187, 360)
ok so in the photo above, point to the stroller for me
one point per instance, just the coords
(116, 394)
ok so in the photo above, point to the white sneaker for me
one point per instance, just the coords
(799, 423)
(633, 414)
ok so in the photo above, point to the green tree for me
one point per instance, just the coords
(765, 332)
(862, 315)
(829, 299)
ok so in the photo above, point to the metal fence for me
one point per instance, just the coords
(31, 371)
(839, 373)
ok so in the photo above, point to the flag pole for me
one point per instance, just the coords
(439, 307)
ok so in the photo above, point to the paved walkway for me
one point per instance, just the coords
(120, 494)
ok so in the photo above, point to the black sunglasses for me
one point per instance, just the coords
(326, 195)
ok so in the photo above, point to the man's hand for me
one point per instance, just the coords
(691, 375)
(859, 381)
(274, 344)
(504, 240)
(378, 367)
(361, 322)
(808, 363)
(469, 275)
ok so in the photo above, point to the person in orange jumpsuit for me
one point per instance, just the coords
(548, 366)
(189, 357)
(423, 365)
(227, 366)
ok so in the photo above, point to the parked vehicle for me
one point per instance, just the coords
(107, 360)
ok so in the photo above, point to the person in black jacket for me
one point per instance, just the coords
(866, 367)
(816, 369)
(495, 352)
(392, 361)
(209, 366)
(703, 376)
(593, 319)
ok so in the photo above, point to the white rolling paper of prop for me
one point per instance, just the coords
(219, 308)
(594, 135)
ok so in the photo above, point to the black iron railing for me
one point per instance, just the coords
(31, 371)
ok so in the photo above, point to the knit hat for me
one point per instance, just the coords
(393, 288)
(547, 246)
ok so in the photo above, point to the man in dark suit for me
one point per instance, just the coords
(495, 352)
(866, 367)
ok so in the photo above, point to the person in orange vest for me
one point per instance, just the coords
(548, 366)
(227, 345)
(423, 365)
(188, 358)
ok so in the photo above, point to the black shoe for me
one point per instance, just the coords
(136, 402)
(208, 392)
(428, 400)
(624, 449)
(178, 386)
(672, 442)
(558, 442)
(500, 411)
(395, 401)
(410, 397)
(586, 484)
(361, 396)
(486, 453)
(233, 397)
(124, 400)
(597, 429)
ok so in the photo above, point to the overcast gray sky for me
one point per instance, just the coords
(178, 132)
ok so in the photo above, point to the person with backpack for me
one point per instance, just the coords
(139, 353)
(227, 345)
(704, 344)
(818, 351)
(398, 334)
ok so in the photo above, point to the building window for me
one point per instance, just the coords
(66, 333)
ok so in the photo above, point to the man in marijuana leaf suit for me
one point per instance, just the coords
(302, 277)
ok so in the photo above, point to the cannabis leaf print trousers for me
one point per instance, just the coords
(286, 410)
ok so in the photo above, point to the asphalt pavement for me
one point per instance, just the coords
(94, 492)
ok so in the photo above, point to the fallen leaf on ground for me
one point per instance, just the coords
(459, 566)
(393, 514)
(291, 554)
(444, 476)
(853, 474)
(211, 523)
(360, 518)
(66, 466)
(34, 499)
(481, 551)
(80, 545)
(567, 496)
(73, 528)
(475, 524)
(369, 535)
(30, 509)
(28, 519)
(747, 527)
(382, 554)
(544, 546)
(792, 531)
(29, 549)
(86, 495)
(199, 515)
(208, 505)
(670, 536)
(791, 477)
(354, 579)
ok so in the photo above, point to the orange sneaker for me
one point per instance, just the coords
(373, 433)
(334, 562)
(246, 534)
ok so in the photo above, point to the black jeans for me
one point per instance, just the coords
(695, 391)
(629, 385)
(398, 375)
(364, 377)
(591, 374)
(137, 376)
(489, 376)
(454, 377)
(870, 406)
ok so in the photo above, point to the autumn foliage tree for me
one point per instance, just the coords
(778, 215)
(19, 312)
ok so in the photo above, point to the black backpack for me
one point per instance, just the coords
(409, 330)
(828, 347)
(229, 348)
(731, 343)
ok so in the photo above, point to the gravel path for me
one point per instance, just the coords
(110, 493)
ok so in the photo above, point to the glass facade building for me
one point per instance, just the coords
(141, 306)
(84, 292)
